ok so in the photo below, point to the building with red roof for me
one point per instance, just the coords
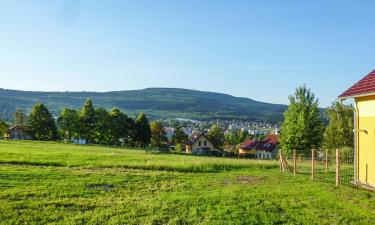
(264, 149)
(363, 93)
(362, 88)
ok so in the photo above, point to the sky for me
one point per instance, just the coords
(257, 49)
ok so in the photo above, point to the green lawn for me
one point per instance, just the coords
(49, 183)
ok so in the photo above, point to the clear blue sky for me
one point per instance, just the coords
(256, 49)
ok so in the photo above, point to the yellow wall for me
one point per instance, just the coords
(366, 140)
(202, 139)
(246, 152)
(195, 146)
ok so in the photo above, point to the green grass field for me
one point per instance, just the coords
(50, 183)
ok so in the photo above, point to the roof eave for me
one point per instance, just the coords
(356, 96)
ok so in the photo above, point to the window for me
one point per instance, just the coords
(205, 143)
(200, 143)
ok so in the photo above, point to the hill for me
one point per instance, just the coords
(158, 103)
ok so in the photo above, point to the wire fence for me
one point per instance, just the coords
(328, 165)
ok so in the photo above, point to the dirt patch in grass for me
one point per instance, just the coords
(242, 180)
(247, 179)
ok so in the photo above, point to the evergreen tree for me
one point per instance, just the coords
(87, 121)
(179, 136)
(68, 122)
(216, 136)
(302, 127)
(4, 127)
(42, 124)
(143, 130)
(158, 135)
(339, 132)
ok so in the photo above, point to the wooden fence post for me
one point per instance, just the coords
(337, 167)
(294, 162)
(326, 160)
(312, 164)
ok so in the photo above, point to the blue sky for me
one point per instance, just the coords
(257, 49)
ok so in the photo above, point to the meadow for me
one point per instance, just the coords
(54, 183)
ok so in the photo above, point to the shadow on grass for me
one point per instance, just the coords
(198, 168)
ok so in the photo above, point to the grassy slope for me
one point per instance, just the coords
(54, 183)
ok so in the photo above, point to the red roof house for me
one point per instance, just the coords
(362, 88)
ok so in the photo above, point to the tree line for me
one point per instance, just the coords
(94, 125)
(303, 127)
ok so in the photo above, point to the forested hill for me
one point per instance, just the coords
(156, 102)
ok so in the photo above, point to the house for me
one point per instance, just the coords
(363, 93)
(268, 147)
(247, 148)
(199, 144)
(18, 132)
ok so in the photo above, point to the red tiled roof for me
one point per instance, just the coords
(269, 143)
(248, 144)
(365, 86)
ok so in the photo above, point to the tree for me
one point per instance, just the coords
(19, 118)
(87, 121)
(122, 128)
(339, 132)
(102, 125)
(302, 127)
(236, 137)
(4, 127)
(42, 124)
(68, 122)
(216, 136)
(118, 126)
(179, 136)
(143, 130)
(158, 135)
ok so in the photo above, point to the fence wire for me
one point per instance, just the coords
(323, 167)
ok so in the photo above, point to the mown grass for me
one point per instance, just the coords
(51, 183)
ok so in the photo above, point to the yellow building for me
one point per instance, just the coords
(363, 94)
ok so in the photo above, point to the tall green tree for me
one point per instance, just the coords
(302, 127)
(122, 129)
(41, 123)
(339, 132)
(179, 136)
(68, 122)
(158, 135)
(4, 127)
(118, 128)
(143, 130)
(87, 121)
(19, 118)
(216, 136)
(102, 126)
